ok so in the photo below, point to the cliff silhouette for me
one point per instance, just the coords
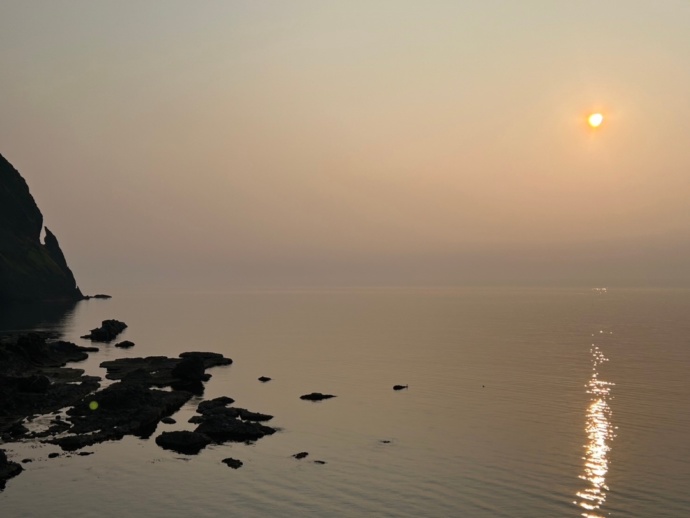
(29, 270)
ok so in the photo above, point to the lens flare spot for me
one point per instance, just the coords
(93, 405)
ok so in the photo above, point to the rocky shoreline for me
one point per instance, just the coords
(34, 381)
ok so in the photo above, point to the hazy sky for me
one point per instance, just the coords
(223, 144)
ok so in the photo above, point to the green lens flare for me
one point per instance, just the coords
(93, 405)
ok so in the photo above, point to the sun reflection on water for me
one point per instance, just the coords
(600, 434)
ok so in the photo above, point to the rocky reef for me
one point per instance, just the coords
(75, 412)
(29, 269)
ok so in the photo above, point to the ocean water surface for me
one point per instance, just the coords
(521, 403)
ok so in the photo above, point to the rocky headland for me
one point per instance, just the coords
(30, 270)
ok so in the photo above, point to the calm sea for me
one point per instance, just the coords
(521, 403)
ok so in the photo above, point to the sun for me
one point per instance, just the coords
(595, 120)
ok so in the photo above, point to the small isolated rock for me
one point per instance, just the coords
(385, 441)
(168, 420)
(188, 443)
(319, 462)
(125, 344)
(25, 461)
(399, 387)
(53, 455)
(107, 332)
(300, 455)
(316, 396)
(85, 453)
(264, 379)
(233, 463)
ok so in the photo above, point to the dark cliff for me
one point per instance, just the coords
(29, 270)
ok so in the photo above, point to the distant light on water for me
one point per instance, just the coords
(600, 434)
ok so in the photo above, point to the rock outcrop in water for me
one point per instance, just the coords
(107, 332)
(29, 270)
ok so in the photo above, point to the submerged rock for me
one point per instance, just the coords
(316, 396)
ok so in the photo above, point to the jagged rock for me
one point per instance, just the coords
(233, 463)
(316, 396)
(125, 344)
(29, 270)
(188, 443)
(8, 469)
(107, 332)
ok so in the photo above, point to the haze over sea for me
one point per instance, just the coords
(521, 402)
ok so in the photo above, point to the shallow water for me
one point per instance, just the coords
(521, 402)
